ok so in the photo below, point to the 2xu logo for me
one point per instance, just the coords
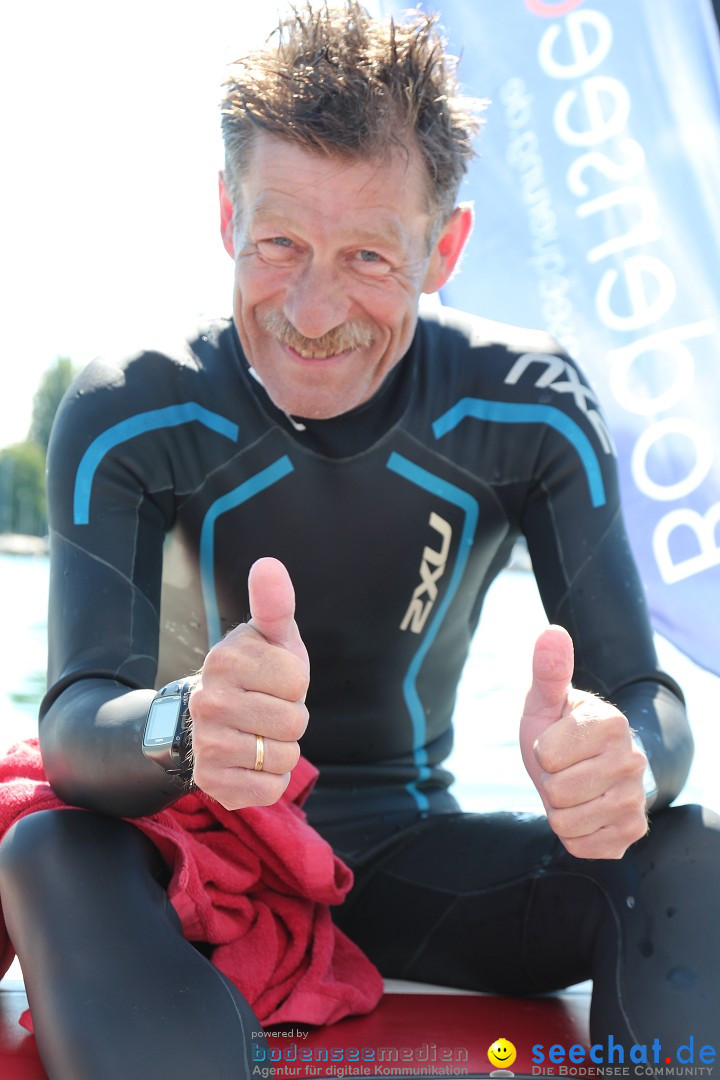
(432, 568)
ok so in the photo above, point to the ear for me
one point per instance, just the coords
(448, 248)
(226, 216)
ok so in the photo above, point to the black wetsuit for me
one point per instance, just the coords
(393, 520)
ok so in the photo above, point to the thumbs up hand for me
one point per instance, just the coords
(248, 709)
(580, 755)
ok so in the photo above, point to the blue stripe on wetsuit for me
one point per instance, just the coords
(507, 412)
(455, 495)
(232, 499)
(172, 416)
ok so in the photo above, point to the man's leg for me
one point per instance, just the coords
(494, 902)
(664, 897)
(115, 991)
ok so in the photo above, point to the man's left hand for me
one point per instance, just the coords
(581, 756)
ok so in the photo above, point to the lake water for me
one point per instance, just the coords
(486, 758)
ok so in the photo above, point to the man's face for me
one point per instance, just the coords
(330, 261)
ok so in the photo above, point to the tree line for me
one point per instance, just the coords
(22, 465)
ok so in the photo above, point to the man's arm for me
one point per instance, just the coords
(602, 606)
(91, 742)
(590, 585)
(656, 713)
(253, 683)
(106, 542)
(114, 483)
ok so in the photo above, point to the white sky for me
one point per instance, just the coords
(110, 149)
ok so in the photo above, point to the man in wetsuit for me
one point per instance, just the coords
(386, 464)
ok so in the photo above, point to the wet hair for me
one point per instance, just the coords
(338, 82)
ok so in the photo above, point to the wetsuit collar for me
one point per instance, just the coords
(354, 431)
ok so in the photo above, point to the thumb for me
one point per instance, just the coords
(272, 606)
(552, 670)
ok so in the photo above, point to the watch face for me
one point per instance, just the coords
(162, 720)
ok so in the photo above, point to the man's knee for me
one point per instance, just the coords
(27, 845)
(68, 845)
(685, 832)
(689, 819)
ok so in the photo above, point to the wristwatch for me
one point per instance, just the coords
(166, 738)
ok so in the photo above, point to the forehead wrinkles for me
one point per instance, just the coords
(384, 198)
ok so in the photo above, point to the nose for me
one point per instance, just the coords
(317, 301)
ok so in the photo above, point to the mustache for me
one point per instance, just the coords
(351, 335)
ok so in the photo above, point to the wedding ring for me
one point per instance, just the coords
(259, 752)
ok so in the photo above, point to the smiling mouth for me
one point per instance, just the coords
(337, 342)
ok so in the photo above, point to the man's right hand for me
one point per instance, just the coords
(253, 682)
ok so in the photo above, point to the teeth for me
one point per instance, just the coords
(313, 355)
(321, 354)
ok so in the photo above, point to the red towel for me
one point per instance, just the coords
(257, 889)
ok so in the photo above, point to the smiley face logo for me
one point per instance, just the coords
(502, 1053)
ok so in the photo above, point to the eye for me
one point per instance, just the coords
(276, 249)
(370, 262)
